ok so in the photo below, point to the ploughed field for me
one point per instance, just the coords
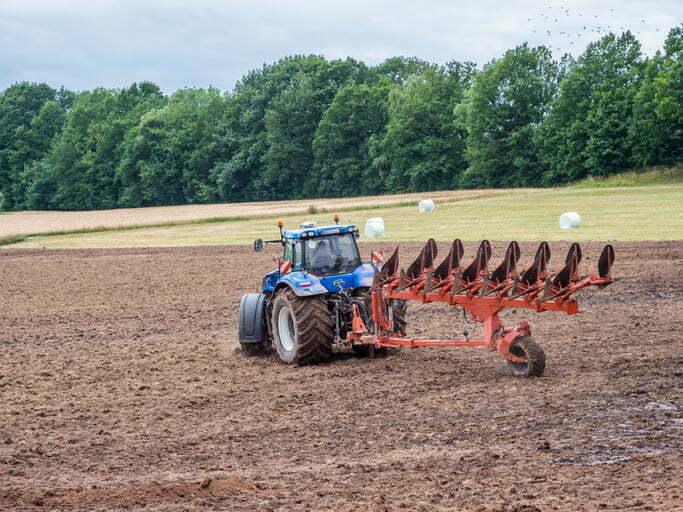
(122, 387)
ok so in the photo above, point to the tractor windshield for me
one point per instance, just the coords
(335, 254)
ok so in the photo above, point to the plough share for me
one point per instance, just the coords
(482, 293)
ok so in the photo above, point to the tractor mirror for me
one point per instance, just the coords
(258, 245)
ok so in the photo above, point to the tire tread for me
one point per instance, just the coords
(314, 330)
(535, 365)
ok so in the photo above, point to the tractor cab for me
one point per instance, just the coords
(320, 258)
(322, 251)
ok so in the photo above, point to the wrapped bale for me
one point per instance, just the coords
(374, 228)
(426, 205)
(570, 220)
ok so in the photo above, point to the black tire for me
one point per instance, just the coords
(307, 335)
(526, 347)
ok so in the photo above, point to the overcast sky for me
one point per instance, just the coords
(83, 44)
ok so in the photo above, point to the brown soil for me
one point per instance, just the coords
(122, 387)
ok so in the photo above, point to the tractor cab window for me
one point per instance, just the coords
(293, 253)
(297, 255)
(327, 255)
(287, 255)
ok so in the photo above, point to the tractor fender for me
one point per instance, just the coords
(253, 318)
(302, 284)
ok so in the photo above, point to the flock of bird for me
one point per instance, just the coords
(588, 26)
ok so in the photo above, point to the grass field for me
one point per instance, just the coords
(653, 212)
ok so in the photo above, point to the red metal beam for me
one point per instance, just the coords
(570, 307)
(394, 341)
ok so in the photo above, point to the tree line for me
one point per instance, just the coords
(308, 127)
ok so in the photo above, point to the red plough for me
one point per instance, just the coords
(483, 294)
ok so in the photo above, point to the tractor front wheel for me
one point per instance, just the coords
(302, 328)
(529, 349)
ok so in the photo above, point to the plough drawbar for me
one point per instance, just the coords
(481, 292)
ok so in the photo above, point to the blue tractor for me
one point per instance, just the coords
(305, 306)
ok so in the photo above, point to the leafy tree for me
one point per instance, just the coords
(85, 156)
(242, 132)
(423, 149)
(508, 101)
(586, 131)
(656, 130)
(168, 155)
(31, 145)
(142, 158)
(647, 134)
(291, 121)
(19, 104)
(400, 69)
(669, 95)
(343, 164)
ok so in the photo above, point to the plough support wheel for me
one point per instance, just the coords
(527, 348)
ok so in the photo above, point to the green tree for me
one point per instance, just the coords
(669, 96)
(241, 135)
(291, 121)
(343, 165)
(86, 154)
(400, 69)
(656, 130)
(19, 104)
(422, 148)
(32, 145)
(508, 101)
(586, 131)
(168, 155)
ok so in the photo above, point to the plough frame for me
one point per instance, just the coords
(482, 293)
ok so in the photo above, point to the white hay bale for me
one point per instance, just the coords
(570, 220)
(426, 205)
(374, 228)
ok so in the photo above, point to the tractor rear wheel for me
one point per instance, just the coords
(302, 328)
(528, 348)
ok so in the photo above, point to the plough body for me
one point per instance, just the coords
(482, 293)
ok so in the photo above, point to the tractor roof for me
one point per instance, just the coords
(310, 230)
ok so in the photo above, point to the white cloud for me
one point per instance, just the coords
(84, 44)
